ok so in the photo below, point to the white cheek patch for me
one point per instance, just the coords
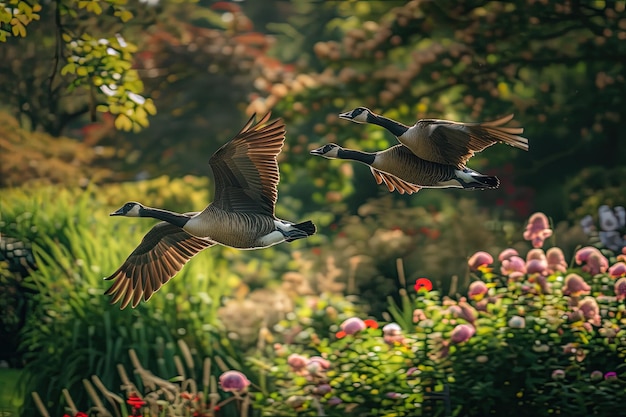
(134, 212)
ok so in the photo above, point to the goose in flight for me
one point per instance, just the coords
(401, 170)
(444, 141)
(241, 215)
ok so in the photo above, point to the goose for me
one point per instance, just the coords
(241, 215)
(444, 141)
(401, 170)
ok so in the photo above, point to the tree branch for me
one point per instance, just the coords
(58, 52)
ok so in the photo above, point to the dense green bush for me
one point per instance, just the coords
(531, 337)
(71, 331)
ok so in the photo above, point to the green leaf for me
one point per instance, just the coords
(122, 122)
(124, 15)
(82, 71)
(69, 68)
(150, 107)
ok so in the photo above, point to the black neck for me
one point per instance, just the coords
(394, 127)
(168, 216)
(365, 157)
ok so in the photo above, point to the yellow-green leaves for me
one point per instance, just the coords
(15, 15)
(104, 66)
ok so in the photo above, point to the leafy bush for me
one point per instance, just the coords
(71, 330)
(532, 337)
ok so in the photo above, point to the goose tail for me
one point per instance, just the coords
(472, 180)
(307, 227)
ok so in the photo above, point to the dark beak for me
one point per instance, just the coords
(347, 115)
(317, 151)
(119, 212)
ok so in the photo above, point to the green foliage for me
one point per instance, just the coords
(97, 67)
(15, 15)
(532, 348)
(192, 391)
(466, 61)
(71, 330)
(365, 249)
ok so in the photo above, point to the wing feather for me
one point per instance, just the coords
(246, 170)
(164, 250)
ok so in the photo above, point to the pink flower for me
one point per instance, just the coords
(316, 367)
(596, 264)
(354, 325)
(234, 381)
(514, 267)
(467, 312)
(593, 260)
(418, 315)
(558, 374)
(322, 389)
(536, 266)
(392, 333)
(323, 363)
(620, 289)
(590, 310)
(596, 375)
(556, 261)
(617, 270)
(334, 401)
(297, 362)
(507, 254)
(462, 333)
(575, 285)
(479, 260)
(537, 254)
(582, 254)
(537, 229)
(609, 376)
(517, 322)
(477, 290)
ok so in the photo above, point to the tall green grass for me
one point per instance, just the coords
(71, 331)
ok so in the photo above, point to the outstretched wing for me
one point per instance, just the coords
(245, 169)
(164, 250)
(394, 183)
(454, 143)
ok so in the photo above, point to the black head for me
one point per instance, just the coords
(358, 115)
(329, 150)
(130, 209)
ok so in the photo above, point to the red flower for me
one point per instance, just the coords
(423, 283)
(135, 402)
(78, 414)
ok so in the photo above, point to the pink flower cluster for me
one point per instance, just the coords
(537, 229)
(592, 260)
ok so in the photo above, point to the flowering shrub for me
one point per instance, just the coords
(531, 336)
